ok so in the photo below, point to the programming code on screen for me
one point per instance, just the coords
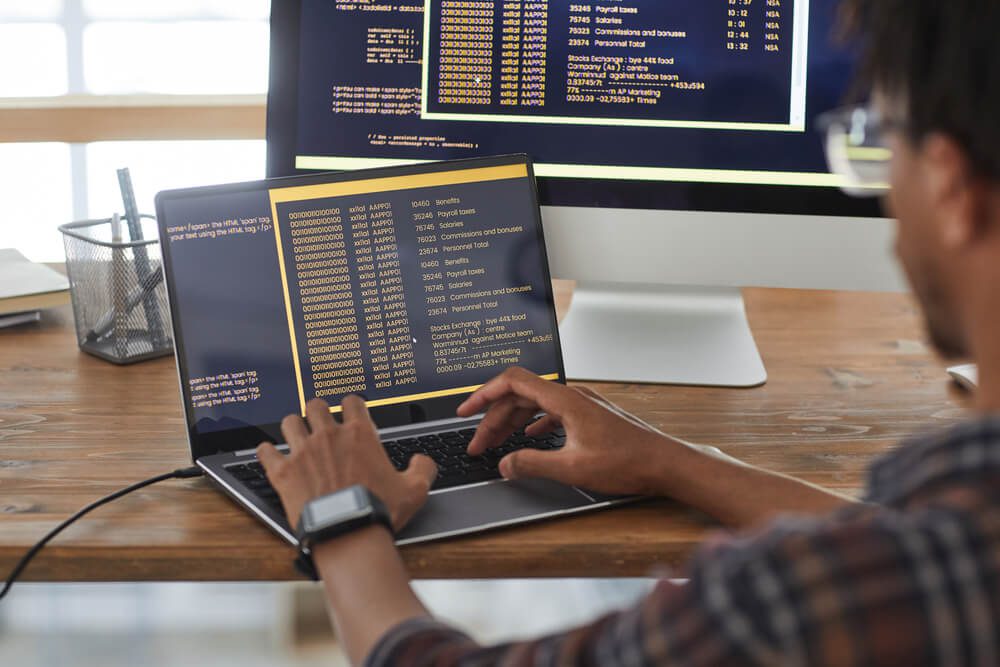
(640, 62)
(398, 289)
(672, 90)
(409, 285)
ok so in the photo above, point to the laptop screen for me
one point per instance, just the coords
(410, 286)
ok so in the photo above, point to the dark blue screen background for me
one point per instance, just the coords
(701, 56)
(332, 52)
(229, 299)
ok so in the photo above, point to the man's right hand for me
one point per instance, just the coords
(607, 450)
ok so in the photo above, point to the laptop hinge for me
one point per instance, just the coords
(253, 450)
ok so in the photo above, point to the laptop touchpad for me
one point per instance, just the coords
(472, 508)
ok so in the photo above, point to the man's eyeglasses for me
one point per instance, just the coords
(856, 150)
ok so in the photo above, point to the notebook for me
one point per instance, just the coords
(28, 286)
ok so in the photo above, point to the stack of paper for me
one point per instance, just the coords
(966, 375)
(27, 288)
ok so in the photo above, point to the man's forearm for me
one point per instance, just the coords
(367, 587)
(738, 494)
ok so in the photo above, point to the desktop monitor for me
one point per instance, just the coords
(674, 142)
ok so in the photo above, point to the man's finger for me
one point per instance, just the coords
(549, 396)
(531, 463)
(545, 424)
(497, 424)
(355, 409)
(419, 476)
(498, 436)
(269, 457)
(318, 415)
(422, 469)
(294, 429)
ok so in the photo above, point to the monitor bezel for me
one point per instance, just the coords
(282, 140)
(385, 416)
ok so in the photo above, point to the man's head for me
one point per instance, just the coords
(934, 69)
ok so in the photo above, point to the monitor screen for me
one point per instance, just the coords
(620, 103)
(408, 286)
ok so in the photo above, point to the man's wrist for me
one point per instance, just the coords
(668, 466)
(338, 513)
(333, 553)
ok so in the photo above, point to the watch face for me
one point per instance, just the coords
(335, 505)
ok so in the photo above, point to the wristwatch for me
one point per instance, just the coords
(339, 513)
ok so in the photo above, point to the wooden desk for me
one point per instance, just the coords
(849, 378)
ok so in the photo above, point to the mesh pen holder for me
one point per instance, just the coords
(119, 299)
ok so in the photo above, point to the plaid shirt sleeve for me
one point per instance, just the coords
(869, 585)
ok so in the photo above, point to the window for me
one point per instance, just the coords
(70, 56)
(35, 179)
(177, 57)
(43, 45)
(161, 165)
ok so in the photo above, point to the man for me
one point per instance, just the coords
(909, 577)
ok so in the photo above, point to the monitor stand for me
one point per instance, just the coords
(620, 332)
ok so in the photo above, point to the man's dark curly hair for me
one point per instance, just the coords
(940, 60)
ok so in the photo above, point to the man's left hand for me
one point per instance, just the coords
(328, 457)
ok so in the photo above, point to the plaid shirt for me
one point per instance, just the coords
(910, 577)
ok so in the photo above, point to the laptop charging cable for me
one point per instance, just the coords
(180, 473)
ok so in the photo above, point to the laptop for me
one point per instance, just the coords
(410, 286)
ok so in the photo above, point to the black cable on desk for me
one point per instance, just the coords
(180, 473)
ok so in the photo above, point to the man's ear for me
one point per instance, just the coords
(957, 197)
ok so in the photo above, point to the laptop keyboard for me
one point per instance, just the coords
(455, 467)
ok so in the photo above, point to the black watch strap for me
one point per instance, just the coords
(379, 515)
(382, 515)
(305, 566)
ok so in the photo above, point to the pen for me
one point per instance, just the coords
(126, 304)
(116, 315)
(142, 265)
(116, 228)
